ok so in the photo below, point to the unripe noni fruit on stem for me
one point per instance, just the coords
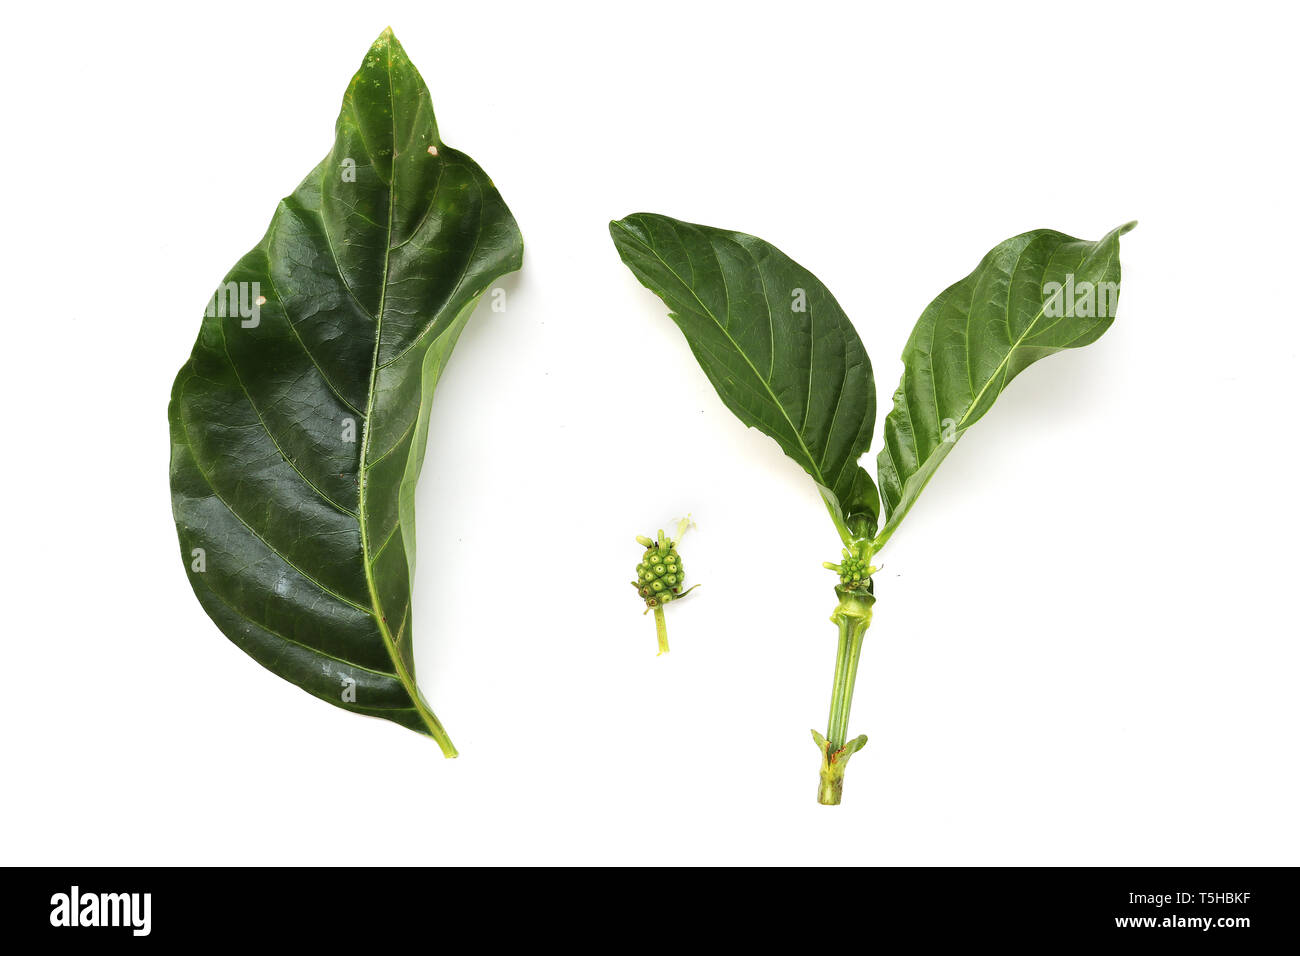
(855, 571)
(660, 577)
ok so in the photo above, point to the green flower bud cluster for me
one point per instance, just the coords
(659, 576)
(855, 572)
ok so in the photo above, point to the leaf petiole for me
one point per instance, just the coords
(833, 509)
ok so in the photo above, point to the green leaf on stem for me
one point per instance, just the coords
(777, 347)
(1030, 297)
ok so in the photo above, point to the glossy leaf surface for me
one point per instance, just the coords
(1030, 297)
(776, 345)
(300, 421)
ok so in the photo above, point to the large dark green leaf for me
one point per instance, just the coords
(775, 344)
(1031, 296)
(299, 427)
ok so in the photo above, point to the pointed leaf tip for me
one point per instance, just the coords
(388, 40)
(617, 226)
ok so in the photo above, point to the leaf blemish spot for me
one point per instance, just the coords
(433, 150)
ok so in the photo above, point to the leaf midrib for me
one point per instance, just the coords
(408, 682)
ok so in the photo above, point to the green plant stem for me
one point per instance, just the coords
(661, 629)
(852, 617)
(852, 631)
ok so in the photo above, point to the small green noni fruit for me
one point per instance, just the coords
(855, 572)
(659, 576)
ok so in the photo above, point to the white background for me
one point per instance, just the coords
(1084, 649)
